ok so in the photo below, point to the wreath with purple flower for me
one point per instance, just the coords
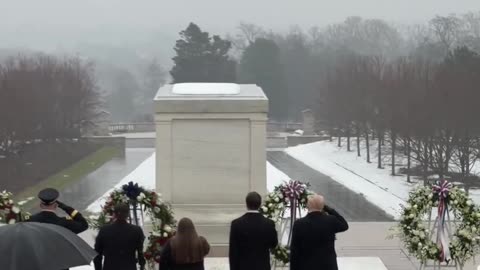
(288, 198)
(11, 212)
(159, 213)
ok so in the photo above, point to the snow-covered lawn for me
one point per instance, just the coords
(376, 185)
(144, 175)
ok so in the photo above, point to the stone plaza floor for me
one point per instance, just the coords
(364, 244)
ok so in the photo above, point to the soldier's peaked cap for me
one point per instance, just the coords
(48, 196)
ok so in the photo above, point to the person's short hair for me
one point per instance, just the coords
(122, 211)
(253, 200)
(315, 202)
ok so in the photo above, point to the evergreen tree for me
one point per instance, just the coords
(260, 64)
(154, 77)
(201, 58)
(121, 101)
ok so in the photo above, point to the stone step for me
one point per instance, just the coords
(344, 263)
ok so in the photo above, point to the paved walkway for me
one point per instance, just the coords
(92, 186)
(351, 205)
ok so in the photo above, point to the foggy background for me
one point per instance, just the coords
(402, 73)
(58, 24)
(131, 43)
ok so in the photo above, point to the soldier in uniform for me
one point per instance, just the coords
(75, 222)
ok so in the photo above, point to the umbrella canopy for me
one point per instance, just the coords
(38, 246)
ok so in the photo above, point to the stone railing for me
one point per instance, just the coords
(283, 126)
(131, 127)
(297, 140)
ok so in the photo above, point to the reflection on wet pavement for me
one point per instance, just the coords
(92, 186)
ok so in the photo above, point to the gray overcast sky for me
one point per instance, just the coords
(216, 15)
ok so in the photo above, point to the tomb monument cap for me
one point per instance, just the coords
(211, 98)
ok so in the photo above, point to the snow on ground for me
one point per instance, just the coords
(475, 195)
(144, 175)
(275, 177)
(376, 185)
(206, 89)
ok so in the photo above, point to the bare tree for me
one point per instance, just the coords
(43, 97)
(446, 30)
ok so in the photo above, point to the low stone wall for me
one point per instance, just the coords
(297, 140)
(283, 126)
(276, 141)
(131, 127)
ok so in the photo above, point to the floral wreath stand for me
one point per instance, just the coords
(132, 191)
(445, 242)
(289, 198)
(141, 201)
(436, 232)
(10, 211)
(286, 229)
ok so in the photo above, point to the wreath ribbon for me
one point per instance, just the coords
(442, 189)
(292, 191)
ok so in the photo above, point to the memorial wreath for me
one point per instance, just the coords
(11, 212)
(290, 197)
(417, 237)
(160, 214)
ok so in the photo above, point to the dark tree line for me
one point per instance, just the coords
(202, 58)
(305, 58)
(428, 109)
(292, 66)
(45, 98)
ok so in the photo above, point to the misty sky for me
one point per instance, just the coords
(172, 15)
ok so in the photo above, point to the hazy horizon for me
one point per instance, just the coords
(217, 15)
(65, 26)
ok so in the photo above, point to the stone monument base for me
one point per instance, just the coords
(212, 222)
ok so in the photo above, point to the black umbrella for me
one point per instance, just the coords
(38, 246)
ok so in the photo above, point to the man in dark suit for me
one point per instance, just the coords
(120, 243)
(313, 237)
(251, 238)
(75, 222)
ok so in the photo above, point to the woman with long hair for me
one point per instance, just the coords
(186, 250)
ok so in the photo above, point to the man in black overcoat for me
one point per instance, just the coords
(120, 244)
(313, 237)
(251, 238)
(75, 222)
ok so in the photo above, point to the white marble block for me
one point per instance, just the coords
(211, 149)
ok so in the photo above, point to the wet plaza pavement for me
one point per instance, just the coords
(85, 191)
(351, 205)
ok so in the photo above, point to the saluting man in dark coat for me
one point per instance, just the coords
(313, 237)
(75, 222)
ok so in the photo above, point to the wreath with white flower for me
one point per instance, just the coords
(160, 214)
(11, 212)
(289, 197)
(416, 236)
